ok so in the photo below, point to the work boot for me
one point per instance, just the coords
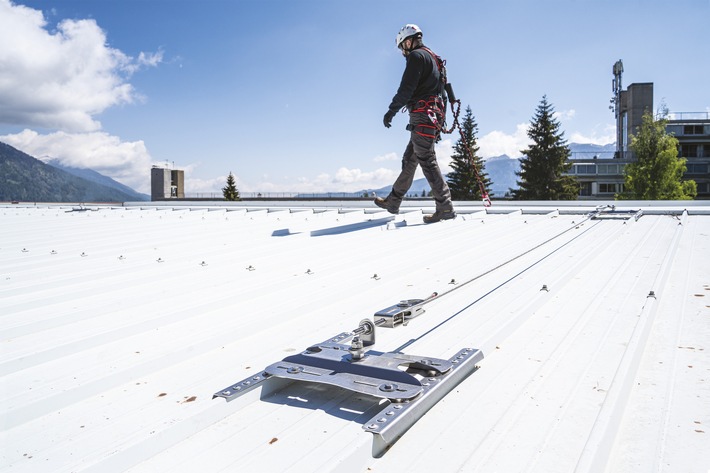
(383, 204)
(439, 215)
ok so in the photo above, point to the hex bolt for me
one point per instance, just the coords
(356, 348)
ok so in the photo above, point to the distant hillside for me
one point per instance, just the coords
(501, 171)
(588, 151)
(93, 176)
(24, 178)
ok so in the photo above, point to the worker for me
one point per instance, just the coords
(421, 92)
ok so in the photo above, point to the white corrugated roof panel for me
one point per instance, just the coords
(120, 323)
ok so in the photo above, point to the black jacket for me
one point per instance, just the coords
(419, 81)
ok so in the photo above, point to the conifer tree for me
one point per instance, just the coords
(230, 191)
(544, 162)
(656, 174)
(462, 180)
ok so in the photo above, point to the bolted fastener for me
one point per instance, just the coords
(356, 348)
(387, 387)
(544, 288)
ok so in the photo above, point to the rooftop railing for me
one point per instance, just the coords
(579, 155)
(689, 115)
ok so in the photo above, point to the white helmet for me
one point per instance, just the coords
(406, 32)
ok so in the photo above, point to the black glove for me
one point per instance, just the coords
(388, 118)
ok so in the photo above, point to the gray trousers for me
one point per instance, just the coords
(420, 152)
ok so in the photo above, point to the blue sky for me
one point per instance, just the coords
(289, 95)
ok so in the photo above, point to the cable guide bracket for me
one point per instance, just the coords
(409, 384)
(610, 212)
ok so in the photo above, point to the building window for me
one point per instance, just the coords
(609, 187)
(584, 169)
(608, 168)
(692, 129)
(585, 188)
(689, 151)
(696, 168)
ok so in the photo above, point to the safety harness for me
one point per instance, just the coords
(435, 108)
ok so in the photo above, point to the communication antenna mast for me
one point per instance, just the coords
(616, 88)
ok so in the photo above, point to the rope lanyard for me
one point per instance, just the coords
(469, 155)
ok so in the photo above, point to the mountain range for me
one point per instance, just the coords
(28, 179)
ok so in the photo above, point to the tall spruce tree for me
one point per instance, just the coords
(544, 163)
(462, 180)
(656, 174)
(230, 191)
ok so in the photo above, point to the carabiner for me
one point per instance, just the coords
(432, 116)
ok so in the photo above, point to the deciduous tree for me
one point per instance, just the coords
(657, 171)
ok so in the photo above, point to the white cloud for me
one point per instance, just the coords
(206, 188)
(444, 149)
(497, 143)
(343, 180)
(348, 177)
(564, 115)
(606, 135)
(387, 157)
(61, 79)
(126, 162)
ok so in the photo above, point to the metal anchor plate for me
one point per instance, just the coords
(376, 374)
(411, 392)
(410, 385)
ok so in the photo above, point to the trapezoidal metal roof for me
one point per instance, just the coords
(538, 337)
